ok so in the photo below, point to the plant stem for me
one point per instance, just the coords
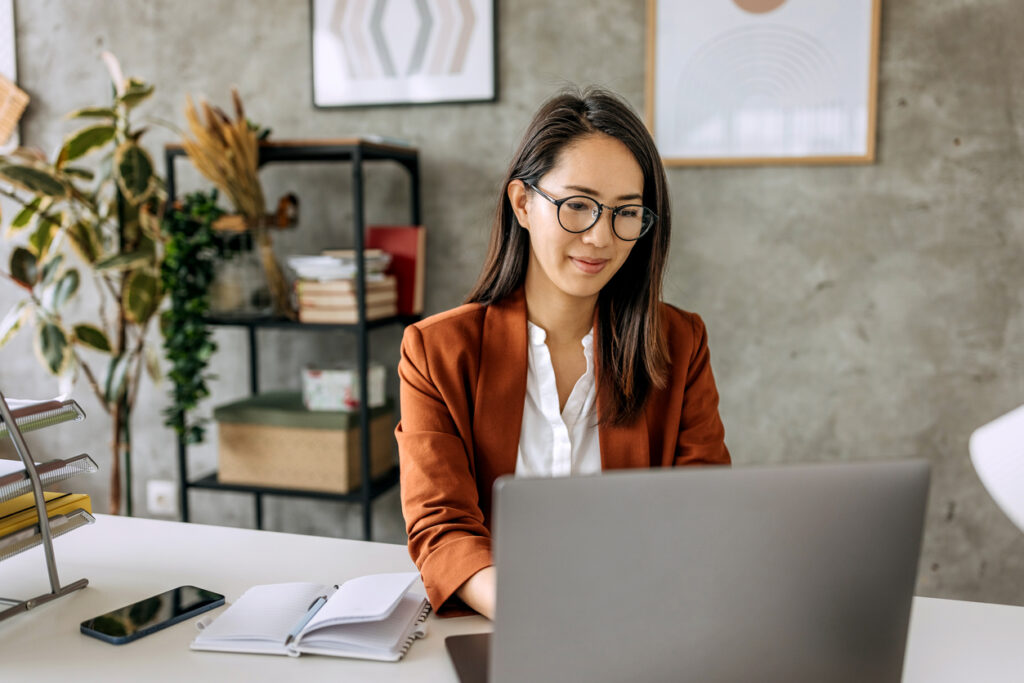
(115, 468)
(92, 382)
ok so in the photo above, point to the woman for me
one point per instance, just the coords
(563, 361)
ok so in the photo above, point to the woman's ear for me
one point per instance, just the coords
(518, 197)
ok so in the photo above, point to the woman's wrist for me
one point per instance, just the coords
(479, 592)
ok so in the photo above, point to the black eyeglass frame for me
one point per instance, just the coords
(600, 211)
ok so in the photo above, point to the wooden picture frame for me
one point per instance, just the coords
(741, 82)
(393, 52)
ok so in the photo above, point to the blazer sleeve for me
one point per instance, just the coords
(701, 433)
(447, 537)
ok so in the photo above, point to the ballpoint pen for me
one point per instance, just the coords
(314, 607)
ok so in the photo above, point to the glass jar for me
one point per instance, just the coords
(240, 286)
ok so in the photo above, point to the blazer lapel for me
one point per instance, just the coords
(500, 388)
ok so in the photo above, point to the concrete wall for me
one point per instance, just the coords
(854, 312)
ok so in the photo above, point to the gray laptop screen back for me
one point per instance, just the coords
(796, 573)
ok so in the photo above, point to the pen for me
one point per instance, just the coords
(314, 607)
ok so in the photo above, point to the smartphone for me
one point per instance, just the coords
(141, 618)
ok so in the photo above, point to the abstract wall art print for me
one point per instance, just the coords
(762, 81)
(377, 52)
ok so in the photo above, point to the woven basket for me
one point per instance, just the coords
(13, 101)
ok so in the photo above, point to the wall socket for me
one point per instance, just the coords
(162, 497)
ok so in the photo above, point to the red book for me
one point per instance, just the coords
(407, 245)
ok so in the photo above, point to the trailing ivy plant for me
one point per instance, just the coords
(190, 255)
(93, 222)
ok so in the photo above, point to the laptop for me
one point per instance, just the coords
(786, 573)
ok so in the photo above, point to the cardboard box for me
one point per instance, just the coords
(272, 440)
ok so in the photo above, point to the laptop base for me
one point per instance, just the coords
(469, 655)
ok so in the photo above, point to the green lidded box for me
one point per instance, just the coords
(272, 440)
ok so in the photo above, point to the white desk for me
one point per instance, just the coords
(128, 559)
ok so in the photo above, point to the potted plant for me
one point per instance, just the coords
(96, 222)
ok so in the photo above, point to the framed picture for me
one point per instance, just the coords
(762, 81)
(377, 52)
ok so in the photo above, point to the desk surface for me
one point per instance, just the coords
(128, 559)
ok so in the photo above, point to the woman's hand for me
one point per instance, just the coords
(480, 591)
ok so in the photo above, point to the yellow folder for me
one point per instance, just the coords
(20, 512)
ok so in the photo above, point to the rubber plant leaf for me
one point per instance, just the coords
(33, 179)
(134, 171)
(92, 336)
(132, 259)
(141, 296)
(52, 347)
(86, 140)
(93, 113)
(24, 267)
(12, 322)
(65, 288)
(116, 374)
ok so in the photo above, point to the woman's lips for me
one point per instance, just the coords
(589, 266)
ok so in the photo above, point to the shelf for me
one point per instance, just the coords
(377, 487)
(342, 149)
(285, 323)
(18, 483)
(358, 152)
(23, 539)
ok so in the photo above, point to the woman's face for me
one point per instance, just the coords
(581, 264)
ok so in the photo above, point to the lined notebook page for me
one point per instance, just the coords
(264, 613)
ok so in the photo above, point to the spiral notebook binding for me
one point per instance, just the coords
(417, 632)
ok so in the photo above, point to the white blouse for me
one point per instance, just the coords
(553, 444)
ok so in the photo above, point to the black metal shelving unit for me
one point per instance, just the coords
(356, 152)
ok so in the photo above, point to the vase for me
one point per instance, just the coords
(240, 286)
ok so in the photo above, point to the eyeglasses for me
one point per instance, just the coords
(580, 213)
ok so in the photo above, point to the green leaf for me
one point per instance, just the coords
(50, 268)
(93, 113)
(13, 321)
(134, 171)
(126, 261)
(78, 172)
(86, 140)
(22, 218)
(141, 296)
(24, 267)
(93, 337)
(65, 289)
(136, 93)
(117, 371)
(85, 241)
(33, 179)
(40, 239)
(52, 347)
(153, 365)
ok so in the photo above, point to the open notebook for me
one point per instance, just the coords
(372, 617)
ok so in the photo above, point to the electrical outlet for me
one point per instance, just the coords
(162, 497)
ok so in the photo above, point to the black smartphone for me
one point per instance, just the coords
(141, 618)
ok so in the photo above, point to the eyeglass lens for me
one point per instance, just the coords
(577, 214)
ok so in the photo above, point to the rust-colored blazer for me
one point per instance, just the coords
(463, 387)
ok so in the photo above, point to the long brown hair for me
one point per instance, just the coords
(631, 351)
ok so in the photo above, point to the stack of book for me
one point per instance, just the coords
(335, 301)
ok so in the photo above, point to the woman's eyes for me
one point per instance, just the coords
(629, 211)
(576, 205)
